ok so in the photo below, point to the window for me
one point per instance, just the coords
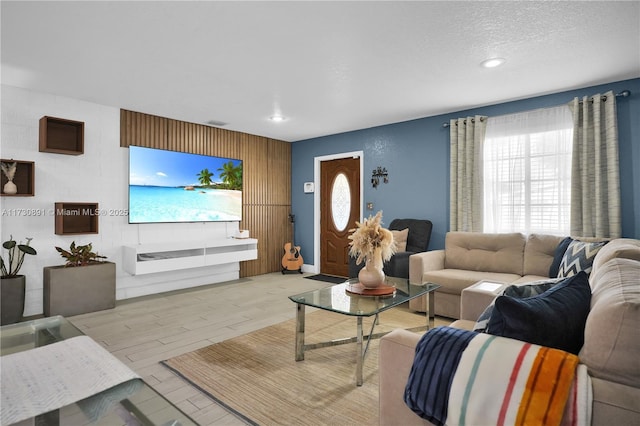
(527, 172)
(340, 202)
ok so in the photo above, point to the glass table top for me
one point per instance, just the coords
(337, 298)
(134, 402)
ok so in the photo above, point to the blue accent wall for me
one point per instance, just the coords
(416, 155)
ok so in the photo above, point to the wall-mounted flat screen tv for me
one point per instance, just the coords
(170, 186)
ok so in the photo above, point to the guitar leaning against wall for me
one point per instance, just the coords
(292, 259)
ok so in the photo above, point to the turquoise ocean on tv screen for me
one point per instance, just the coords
(149, 204)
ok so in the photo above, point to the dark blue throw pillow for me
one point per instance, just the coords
(558, 254)
(555, 318)
(519, 292)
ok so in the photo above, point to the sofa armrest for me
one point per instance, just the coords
(397, 350)
(475, 299)
(420, 263)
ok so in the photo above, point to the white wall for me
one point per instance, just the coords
(99, 175)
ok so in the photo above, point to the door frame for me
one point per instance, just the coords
(316, 198)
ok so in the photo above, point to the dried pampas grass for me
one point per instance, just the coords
(369, 239)
(9, 169)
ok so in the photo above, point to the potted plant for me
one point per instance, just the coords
(85, 283)
(12, 284)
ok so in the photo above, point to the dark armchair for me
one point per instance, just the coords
(417, 241)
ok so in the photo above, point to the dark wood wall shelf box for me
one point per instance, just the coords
(76, 218)
(24, 179)
(61, 136)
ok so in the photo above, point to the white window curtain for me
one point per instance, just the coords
(465, 186)
(595, 189)
(527, 172)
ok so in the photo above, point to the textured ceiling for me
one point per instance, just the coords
(328, 67)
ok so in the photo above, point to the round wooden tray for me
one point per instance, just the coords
(359, 289)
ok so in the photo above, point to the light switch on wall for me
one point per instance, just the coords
(369, 206)
(309, 187)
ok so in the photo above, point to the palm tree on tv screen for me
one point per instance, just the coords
(205, 177)
(231, 175)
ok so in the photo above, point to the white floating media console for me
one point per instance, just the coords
(161, 257)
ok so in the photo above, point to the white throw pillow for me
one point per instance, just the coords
(400, 238)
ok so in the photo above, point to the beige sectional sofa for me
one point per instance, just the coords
(611, 348)
(469, 257)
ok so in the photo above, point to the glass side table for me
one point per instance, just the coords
(142, 405)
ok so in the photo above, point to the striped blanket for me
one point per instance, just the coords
(464, 378)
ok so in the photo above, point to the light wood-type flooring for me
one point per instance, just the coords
(142, 332)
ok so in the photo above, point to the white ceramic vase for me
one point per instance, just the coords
(372, 275)
(10, 188)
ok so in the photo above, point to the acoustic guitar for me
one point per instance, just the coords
(292, 259)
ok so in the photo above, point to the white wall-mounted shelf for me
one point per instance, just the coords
(162, 257)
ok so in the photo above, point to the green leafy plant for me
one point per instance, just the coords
(16, 251)
(205, 177)
(80, 255)
(231, 175)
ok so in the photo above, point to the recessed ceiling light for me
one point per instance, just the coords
(276, 118)
(493, 62)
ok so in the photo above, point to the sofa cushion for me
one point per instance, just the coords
(612, 337)
(555, 318)
(528, 279)
(455, 280)
(539, 254)
(517, 291)
(558, 254)
(579, 257)
(400, 238)
(476, 251)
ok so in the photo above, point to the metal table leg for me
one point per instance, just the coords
(359, 356)
(299, 332)
(431, 310)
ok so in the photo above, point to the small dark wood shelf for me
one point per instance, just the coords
(24, 179)
(76, 218)
(61, 136)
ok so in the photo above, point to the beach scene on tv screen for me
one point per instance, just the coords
(171, 186)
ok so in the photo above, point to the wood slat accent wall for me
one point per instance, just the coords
(266, 201)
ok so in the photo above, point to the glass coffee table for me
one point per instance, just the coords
(131, 403)
(358, 306)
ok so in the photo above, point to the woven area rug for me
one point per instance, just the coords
(256, 374)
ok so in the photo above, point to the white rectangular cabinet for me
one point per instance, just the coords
(162, 257)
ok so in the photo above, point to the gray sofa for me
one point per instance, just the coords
(611, 349)
(469, 257)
